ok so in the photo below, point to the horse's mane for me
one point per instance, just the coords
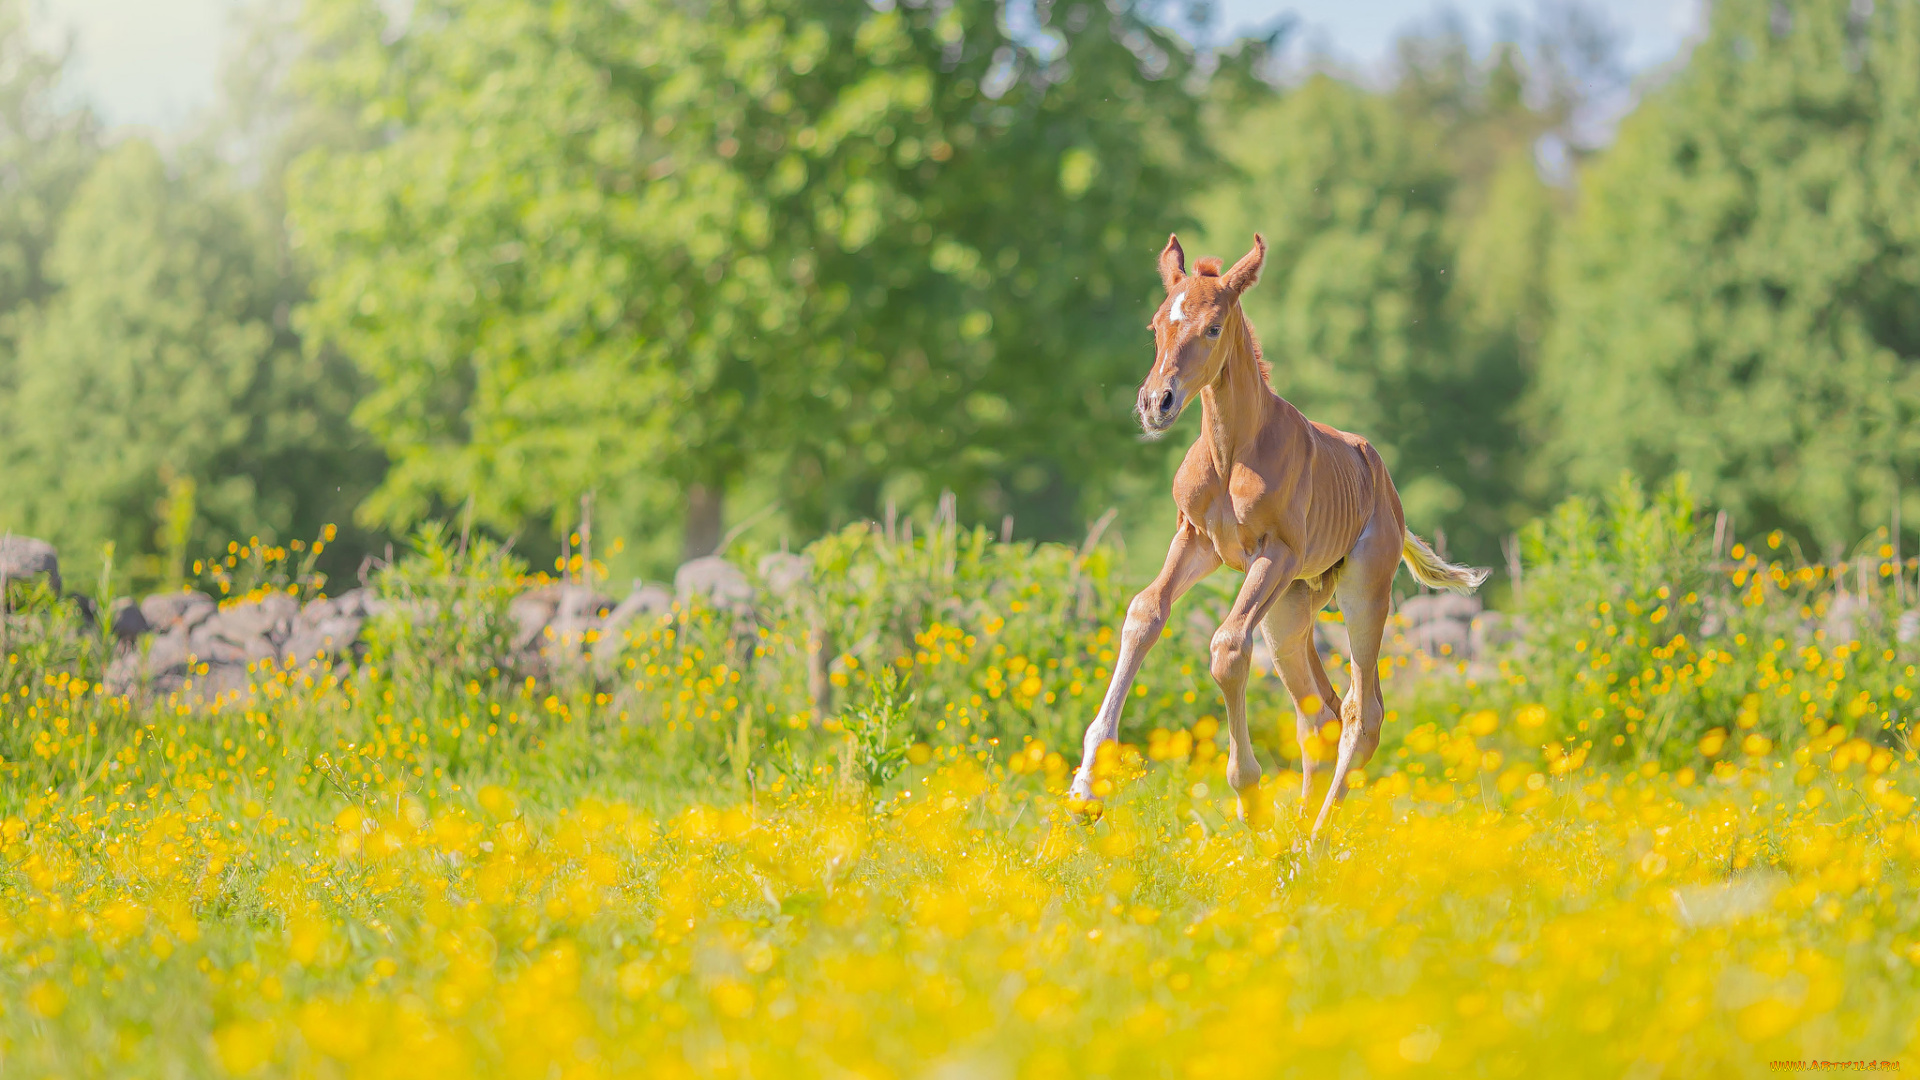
(1266, 369)
(1210, 267)
(1259, 358)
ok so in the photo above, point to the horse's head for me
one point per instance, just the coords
(1200, 314)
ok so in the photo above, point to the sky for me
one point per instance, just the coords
(156, 63)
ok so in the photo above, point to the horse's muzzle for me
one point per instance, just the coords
(1158, 409)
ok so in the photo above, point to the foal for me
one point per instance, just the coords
(1305, 511)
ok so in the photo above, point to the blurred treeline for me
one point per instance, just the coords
(771, 265)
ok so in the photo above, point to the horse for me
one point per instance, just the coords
(1307, 512)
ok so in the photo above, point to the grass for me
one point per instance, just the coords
(436, 867)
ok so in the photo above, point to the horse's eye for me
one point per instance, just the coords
(1213, 331)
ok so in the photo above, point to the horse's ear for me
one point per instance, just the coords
(1173, 263)
(1247, 270)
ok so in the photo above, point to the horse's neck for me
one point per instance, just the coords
(1237, 405)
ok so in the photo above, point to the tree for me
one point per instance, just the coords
(45, 150)
(162, 371)
(1497, 114)
(1735, 295)
(641, 251)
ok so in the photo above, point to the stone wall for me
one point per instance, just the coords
(170, 641)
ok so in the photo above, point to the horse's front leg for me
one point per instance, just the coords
(1269, 573)
(1190, 558)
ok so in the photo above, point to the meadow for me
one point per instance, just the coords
(1666, 833)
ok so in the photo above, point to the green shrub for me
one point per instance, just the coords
(1643, 645)
(444, 620)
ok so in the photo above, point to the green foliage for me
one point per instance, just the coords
(1735, 296)
(1013, 639)
(163, 366)
(878, 730)
(880, 594)
(1641, 646)
(1645, 644)
(55, 646)
(39, 633)
(630, 248)
(826, 257)
(444, 624)
(1605, 591)
(45, 152)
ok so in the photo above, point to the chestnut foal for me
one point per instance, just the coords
(1305, 511)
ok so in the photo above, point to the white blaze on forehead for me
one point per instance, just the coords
(1175, 313)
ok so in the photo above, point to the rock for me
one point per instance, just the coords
(1438, 624)
(717, 580)
(270, 617)
(576, 611)
(327, 629)
(785, 573)
(1490, 630)
(123, 673)
(1428, 606)
(652, 599)
(207, 644)
(554, 621)
(644, 603)
(531, 611)
(1848, 616)
(23, 557)
(128, 623)
(221, 680)
(159, 664)
(169, 652)
(577, 602)
(164, 611)
(1441, 639)
(246, 633)
(187, 629)
(329, 639)
(354, 603)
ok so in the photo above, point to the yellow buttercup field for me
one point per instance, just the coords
(676, 867)
(1590, 924)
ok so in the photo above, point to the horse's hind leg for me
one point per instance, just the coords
(1289, 630)
(1190, 558)
(1366, 593)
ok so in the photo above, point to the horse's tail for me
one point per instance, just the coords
(1435, 572)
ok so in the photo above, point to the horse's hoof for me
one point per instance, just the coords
(1243, 779)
